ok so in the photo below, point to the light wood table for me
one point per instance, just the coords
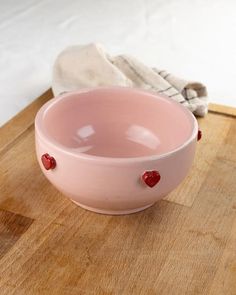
(185, 244)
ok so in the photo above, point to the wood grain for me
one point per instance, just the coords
(225, 279)
(12, 226)
(182, 245)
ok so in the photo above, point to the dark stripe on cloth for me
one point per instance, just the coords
(165, 89)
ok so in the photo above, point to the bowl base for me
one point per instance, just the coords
(112, 212)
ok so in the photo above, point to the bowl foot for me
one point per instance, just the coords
(112, 212)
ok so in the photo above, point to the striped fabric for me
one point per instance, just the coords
(89, 66)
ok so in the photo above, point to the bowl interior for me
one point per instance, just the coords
(118, 122)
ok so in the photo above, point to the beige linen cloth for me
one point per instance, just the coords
(90, 66)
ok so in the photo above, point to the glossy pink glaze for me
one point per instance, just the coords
(103, 141)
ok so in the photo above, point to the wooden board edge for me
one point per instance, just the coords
(22, 121)
(222, 109)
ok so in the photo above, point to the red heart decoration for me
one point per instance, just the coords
(48, 162)
(199, 135)
(151, 178)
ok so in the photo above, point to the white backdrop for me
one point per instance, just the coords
(195, 39)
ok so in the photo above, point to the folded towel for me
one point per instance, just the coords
(90, 66)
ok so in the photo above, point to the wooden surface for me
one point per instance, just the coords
(185, 244)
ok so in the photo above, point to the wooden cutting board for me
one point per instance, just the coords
(185, 244)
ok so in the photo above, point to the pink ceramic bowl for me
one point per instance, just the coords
(115, 150)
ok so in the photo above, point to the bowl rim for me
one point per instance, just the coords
(42, 133)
